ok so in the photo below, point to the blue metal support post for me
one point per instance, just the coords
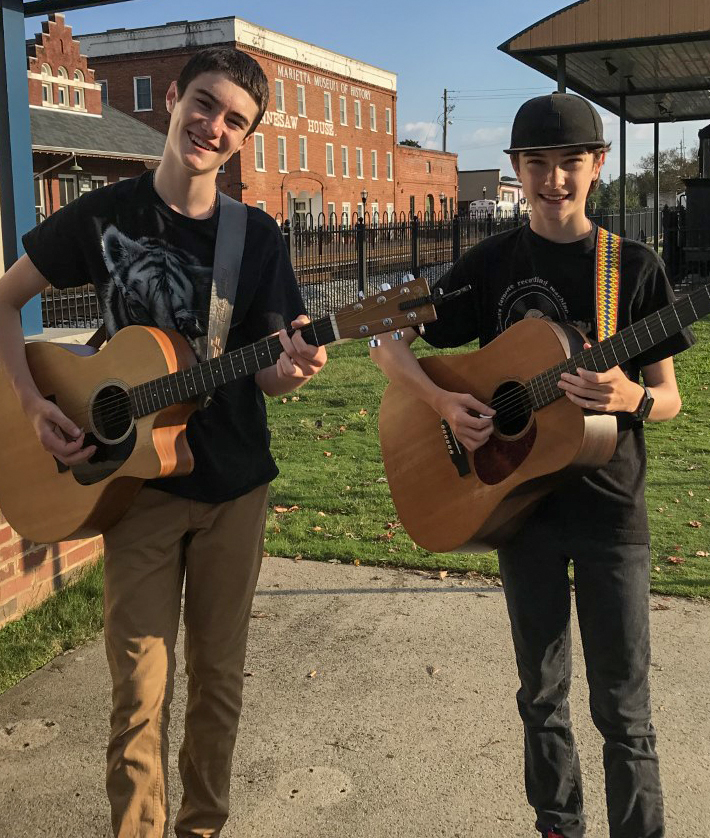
(16, 185)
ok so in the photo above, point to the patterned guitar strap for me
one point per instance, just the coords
(607, 282)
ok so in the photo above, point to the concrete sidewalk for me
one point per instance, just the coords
(378, 703)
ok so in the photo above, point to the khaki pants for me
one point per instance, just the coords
(217, 550)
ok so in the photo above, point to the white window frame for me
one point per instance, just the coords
(47, 87)
(345, 160)
(259, 149)
(303, 153)
(388, 120)
(343, 111)
(101, 180)
(79, 101)
(279, 98)
(136, 79)
(63, 89)
(428, 167)
(331, 213)
(64, 179)
(389, 165)
(40, 209)
(373, 118)
(359, 171)
(327, 106)
(281, 146)
(346, 212)
(261, 205)
(301, 99)
(357, 110)
(373, 163)
(329, 160)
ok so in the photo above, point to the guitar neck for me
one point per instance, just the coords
(620, 347)
(191, 383)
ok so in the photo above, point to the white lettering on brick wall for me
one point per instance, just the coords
(323, 82)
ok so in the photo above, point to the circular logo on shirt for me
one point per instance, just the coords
(532, 297)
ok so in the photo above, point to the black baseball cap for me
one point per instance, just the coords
(559, 120)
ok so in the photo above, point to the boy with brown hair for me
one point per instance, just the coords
(147, 245)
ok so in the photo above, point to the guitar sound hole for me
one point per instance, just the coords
(111, 413)
(512, 407)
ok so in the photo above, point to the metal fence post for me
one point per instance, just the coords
(415, 246)
(361, 260)
(456, 238)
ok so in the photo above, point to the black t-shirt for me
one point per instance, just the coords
(152, 266)
(519, 274)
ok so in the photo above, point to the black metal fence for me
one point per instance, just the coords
(336, 259)
(686, 250)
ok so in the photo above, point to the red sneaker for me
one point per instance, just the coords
(552, 834)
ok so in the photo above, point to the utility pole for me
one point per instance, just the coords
(446, 118)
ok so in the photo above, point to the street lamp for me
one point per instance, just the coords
(442, 201)
(363, 195)
(484, 193)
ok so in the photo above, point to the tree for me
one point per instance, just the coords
(672, 168)
(410, 143)
(606, 197)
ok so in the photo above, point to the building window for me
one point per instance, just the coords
(104, 91)
(358, 113)
(98, 182)
(301, 99)
(346, 167)
(261, 205)
(373, 155)
(327, 107)
(428, 167)
(259, 162)
(303, 153)
(329, 160)
(280, 96)
(388, 120)
(373, 118)
(358, 162)
(508, 196)
(389, 165)
(78, 91)
(39, 198)
(142, 93)
(46, 94)
(67, 189)
(330, 220)
(62, 90)
(343, 111)
(283, 162)
(346, 213)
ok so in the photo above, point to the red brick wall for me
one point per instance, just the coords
(272, 186)
(56, 47)
(29, 573)
(413, 178)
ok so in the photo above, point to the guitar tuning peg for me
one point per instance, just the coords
(409, 278)
(398, 334)
(385, 286)
(361, 295)
(373, 343)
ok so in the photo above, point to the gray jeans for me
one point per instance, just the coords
(612, 597)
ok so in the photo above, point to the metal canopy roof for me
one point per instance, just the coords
(47, 7)
(656, 52)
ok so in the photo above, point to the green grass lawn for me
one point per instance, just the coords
(331, 501)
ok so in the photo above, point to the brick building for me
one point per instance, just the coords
(77, 144)
(426, 181)
(327, 138)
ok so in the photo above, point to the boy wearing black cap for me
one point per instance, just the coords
(547, 269)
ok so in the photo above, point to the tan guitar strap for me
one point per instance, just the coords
(608, 264)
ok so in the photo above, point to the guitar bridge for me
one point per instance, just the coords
(457, 452)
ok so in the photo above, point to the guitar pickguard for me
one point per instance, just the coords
(107, 459)
(500, 457)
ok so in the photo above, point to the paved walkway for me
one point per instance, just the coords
(378, 704)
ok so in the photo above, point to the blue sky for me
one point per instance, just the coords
(430, 45)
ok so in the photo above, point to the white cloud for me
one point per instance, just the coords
(425, 133)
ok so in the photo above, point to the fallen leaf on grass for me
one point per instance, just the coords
(702, 553)
(675, 559)
(317, 529)
(362, 412)
(695, 524)
(260, 615)
(381, 480)
(659, 606)
(690, 492)
(295, 398)
(322, 514)
(280, 509)
(328, 453)
(356, 562)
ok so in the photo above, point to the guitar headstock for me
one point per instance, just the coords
(388, 310)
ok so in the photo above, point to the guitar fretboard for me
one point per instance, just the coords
(191, 383)
(620, 347)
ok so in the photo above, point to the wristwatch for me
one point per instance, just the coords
(643, 410)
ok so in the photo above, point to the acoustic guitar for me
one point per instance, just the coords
(134, 398)
(449, 499)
